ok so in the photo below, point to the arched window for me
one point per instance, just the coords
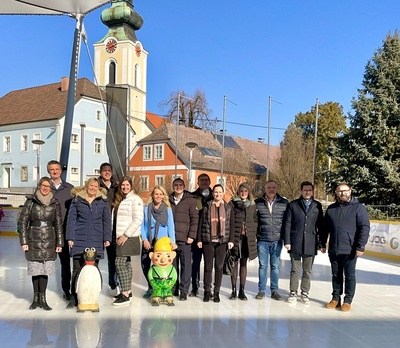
(111, 73)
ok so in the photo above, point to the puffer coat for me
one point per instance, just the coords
(88, 224)
(270, 223)
(204, 229)
(248, 217)
(42, 240)
(186, 217)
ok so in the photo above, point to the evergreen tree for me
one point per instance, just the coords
(368, 155)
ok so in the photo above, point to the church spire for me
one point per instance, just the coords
(122, 20)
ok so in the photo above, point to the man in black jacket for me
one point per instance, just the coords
(62, 192)
(302, 223)
(106, 181)
(347, 226)
(186, 217)
(203, 194)
(271, 208)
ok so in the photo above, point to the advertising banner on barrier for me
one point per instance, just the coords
(8, 223)
(384, 238)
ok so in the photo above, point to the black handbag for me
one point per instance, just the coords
(229, 263)
(130, 248)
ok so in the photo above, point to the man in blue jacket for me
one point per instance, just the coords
(270, 209)
(347, 225)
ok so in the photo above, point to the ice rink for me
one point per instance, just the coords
(374, 320)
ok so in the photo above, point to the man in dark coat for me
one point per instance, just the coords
(203, 194)
(347, 225)
(302, 223)
(107, 182)
(186, 217)
(62, 192)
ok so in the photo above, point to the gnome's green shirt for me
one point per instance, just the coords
(162, 280)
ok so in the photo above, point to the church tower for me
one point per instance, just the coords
(121, 60)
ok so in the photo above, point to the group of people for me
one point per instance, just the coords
(60, 219)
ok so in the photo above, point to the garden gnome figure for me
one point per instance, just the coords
(162, 274)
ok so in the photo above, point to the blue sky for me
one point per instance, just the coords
(293, 51)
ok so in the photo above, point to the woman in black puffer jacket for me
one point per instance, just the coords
(41, 237)
(245, 246)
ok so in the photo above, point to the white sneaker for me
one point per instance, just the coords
(292, 297)
(305, 299)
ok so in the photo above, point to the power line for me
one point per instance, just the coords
(251, 125)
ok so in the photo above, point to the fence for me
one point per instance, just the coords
(13, 199)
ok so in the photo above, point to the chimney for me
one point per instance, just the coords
(64, 84)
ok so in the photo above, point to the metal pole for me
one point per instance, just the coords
(221, 180)
(69, 112)
(315, 139)
(268, 134)
(83, 125)
(177, 137)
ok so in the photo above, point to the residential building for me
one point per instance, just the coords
(158, 159)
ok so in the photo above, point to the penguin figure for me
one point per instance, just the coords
(88, 283)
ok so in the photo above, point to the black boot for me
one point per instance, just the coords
(242, 295)
(207, 296)
(43, 302)
(233, 294)
(35, 303)
(216, 297)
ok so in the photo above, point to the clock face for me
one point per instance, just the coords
(138, 50)
(111, 46)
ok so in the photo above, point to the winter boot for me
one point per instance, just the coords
(242, 295)
(43, 302)
(233, 294)
(35, 302)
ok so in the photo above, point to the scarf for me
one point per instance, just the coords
(45, 200)
(218, 218)
(161, 217)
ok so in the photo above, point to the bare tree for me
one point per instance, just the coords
(193, 110)
(238, 169)
(296, 162)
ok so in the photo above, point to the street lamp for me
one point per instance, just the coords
(180, 96)
(191, 145)
(270, 100)
(38, 143)
(221, 180)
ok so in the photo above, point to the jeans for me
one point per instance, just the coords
(299, 262)
(343, 264)
(268, 251)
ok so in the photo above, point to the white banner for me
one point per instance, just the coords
(384, 238)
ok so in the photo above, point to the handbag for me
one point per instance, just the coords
(130, 248)
(229, 263)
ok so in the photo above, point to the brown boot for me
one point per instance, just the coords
(346, 307)
(333, 304)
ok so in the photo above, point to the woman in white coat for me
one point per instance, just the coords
(127, 221)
